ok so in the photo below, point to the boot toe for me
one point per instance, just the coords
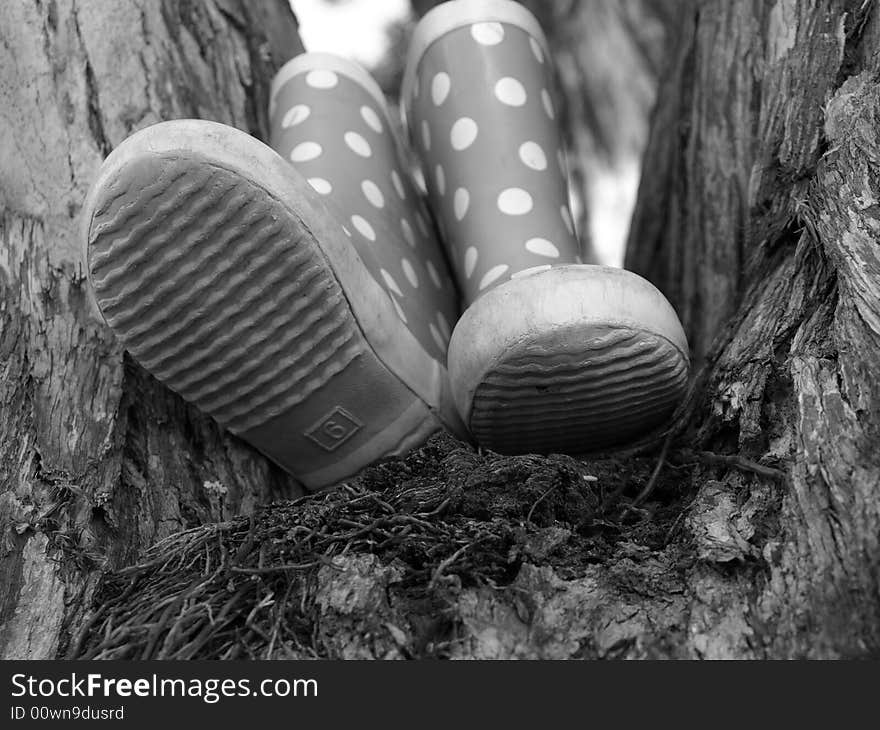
(576, 359)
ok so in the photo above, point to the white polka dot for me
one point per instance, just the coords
(487, 34)
(548, 103)
(364, 228)
(514, 201)
(373, 194)
(295, 115)
(372, 119)
(398, 185)
(399, 310)
(321, 185)
(438, 338)
(408, 234)
(410, 273)
(419, 178)
(422, 224)
(533, 156)
(321, 79)
(542, 247)
(510, 91)
(305, 151)
(435, 277)
(426, 135)
(470, 261)
(444, 326)
(463, 133)
(346, 231)
(531, 270)
(358, 144)
(492, 275)
(566, 218)
(440, 88)
(390, 283)
(440, 178)
(461, 201)
(536, 49)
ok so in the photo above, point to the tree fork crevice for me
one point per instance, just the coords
(757, 215)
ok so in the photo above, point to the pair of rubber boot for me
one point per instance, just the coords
(308, 295)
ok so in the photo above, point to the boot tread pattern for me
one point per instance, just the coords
(581, 397)
(216, 288)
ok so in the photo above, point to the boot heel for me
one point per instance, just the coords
(222, 273)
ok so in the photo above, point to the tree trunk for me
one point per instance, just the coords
(97, 460)
(755, 532)
(759, 220)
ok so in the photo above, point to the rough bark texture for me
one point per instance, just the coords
(98, 461)
(759, 536)
(758, 217)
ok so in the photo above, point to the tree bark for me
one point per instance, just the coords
(754, 533)
(758, 219)
(97, 460)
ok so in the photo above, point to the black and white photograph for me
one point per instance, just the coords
(416, 330)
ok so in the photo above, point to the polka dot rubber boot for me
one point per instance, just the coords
(550, 355)
(225, 274)
(329, 118)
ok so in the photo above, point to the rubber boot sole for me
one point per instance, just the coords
(222, 273)
(577, 360)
